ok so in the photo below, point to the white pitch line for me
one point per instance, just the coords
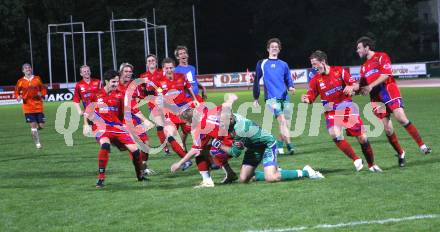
(350, 224)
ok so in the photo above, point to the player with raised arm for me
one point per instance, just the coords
(84, 89)
(336, 86)
(260, 145)
(277, 82)
(31, 90)
(377, 81)
(105, 112)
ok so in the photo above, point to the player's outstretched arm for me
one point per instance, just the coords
(188, 156)
(230, 98)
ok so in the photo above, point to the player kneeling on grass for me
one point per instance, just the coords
(336, 87)
(107, 104)
(260, 144)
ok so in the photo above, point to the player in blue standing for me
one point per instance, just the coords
(181, 54)
(277, 82)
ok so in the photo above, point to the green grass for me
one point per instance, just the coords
(53, 189)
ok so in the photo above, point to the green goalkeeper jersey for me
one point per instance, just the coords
(251, 135)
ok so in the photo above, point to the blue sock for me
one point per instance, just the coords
(289, 146)
(280, 144)
(293, 174)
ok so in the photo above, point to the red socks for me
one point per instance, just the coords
(203, 163)
(395, 143)
(346, 148)
(176, 147)
(103, 159)
(412, 130)
(368, 153)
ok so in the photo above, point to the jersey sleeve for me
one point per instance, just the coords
(312, 92)
(348, 79)
(76, 94)
(258, 75)
(288, 77)
(18, 89)
(385, 64)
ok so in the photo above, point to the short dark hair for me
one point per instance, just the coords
(273, 40)
(319, 55)
(168, 60)
(150, 55)
(26, 64)
(110, 74)
(367, 41)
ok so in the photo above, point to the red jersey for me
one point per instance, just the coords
(176, 89)
(84, 90)
(28, 89)
(379, 64)
(208, 128)
(108, 108)
(330, 87)
(133, 101)
(150, 77)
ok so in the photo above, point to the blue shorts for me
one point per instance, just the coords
(35, 117)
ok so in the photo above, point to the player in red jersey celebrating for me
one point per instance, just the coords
(105, 112)
(335, 86)
(84, 89)
(178, 90)
(31, 90)
(377, 81)
(152, 75)
(139, 125)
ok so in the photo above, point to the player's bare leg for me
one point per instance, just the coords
(35, 134)
(284, 134)
(392, 139)
(246, 173)
(184, 136)
(400, 116)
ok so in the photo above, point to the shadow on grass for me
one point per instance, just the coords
(429, 160)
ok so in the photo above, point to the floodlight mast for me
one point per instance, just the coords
(49, 50)
(113, 37)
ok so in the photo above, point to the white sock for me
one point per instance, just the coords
(402, 155)
(35, 135)
(423, 147)
(205, 175)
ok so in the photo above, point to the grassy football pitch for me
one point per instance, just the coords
(53, 189)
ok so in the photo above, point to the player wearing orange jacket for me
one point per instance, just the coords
(31, 90)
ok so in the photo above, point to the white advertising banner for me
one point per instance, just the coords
(409, 70)
(301, 75)
(8, 98)
(233, 79)
(399, 70)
